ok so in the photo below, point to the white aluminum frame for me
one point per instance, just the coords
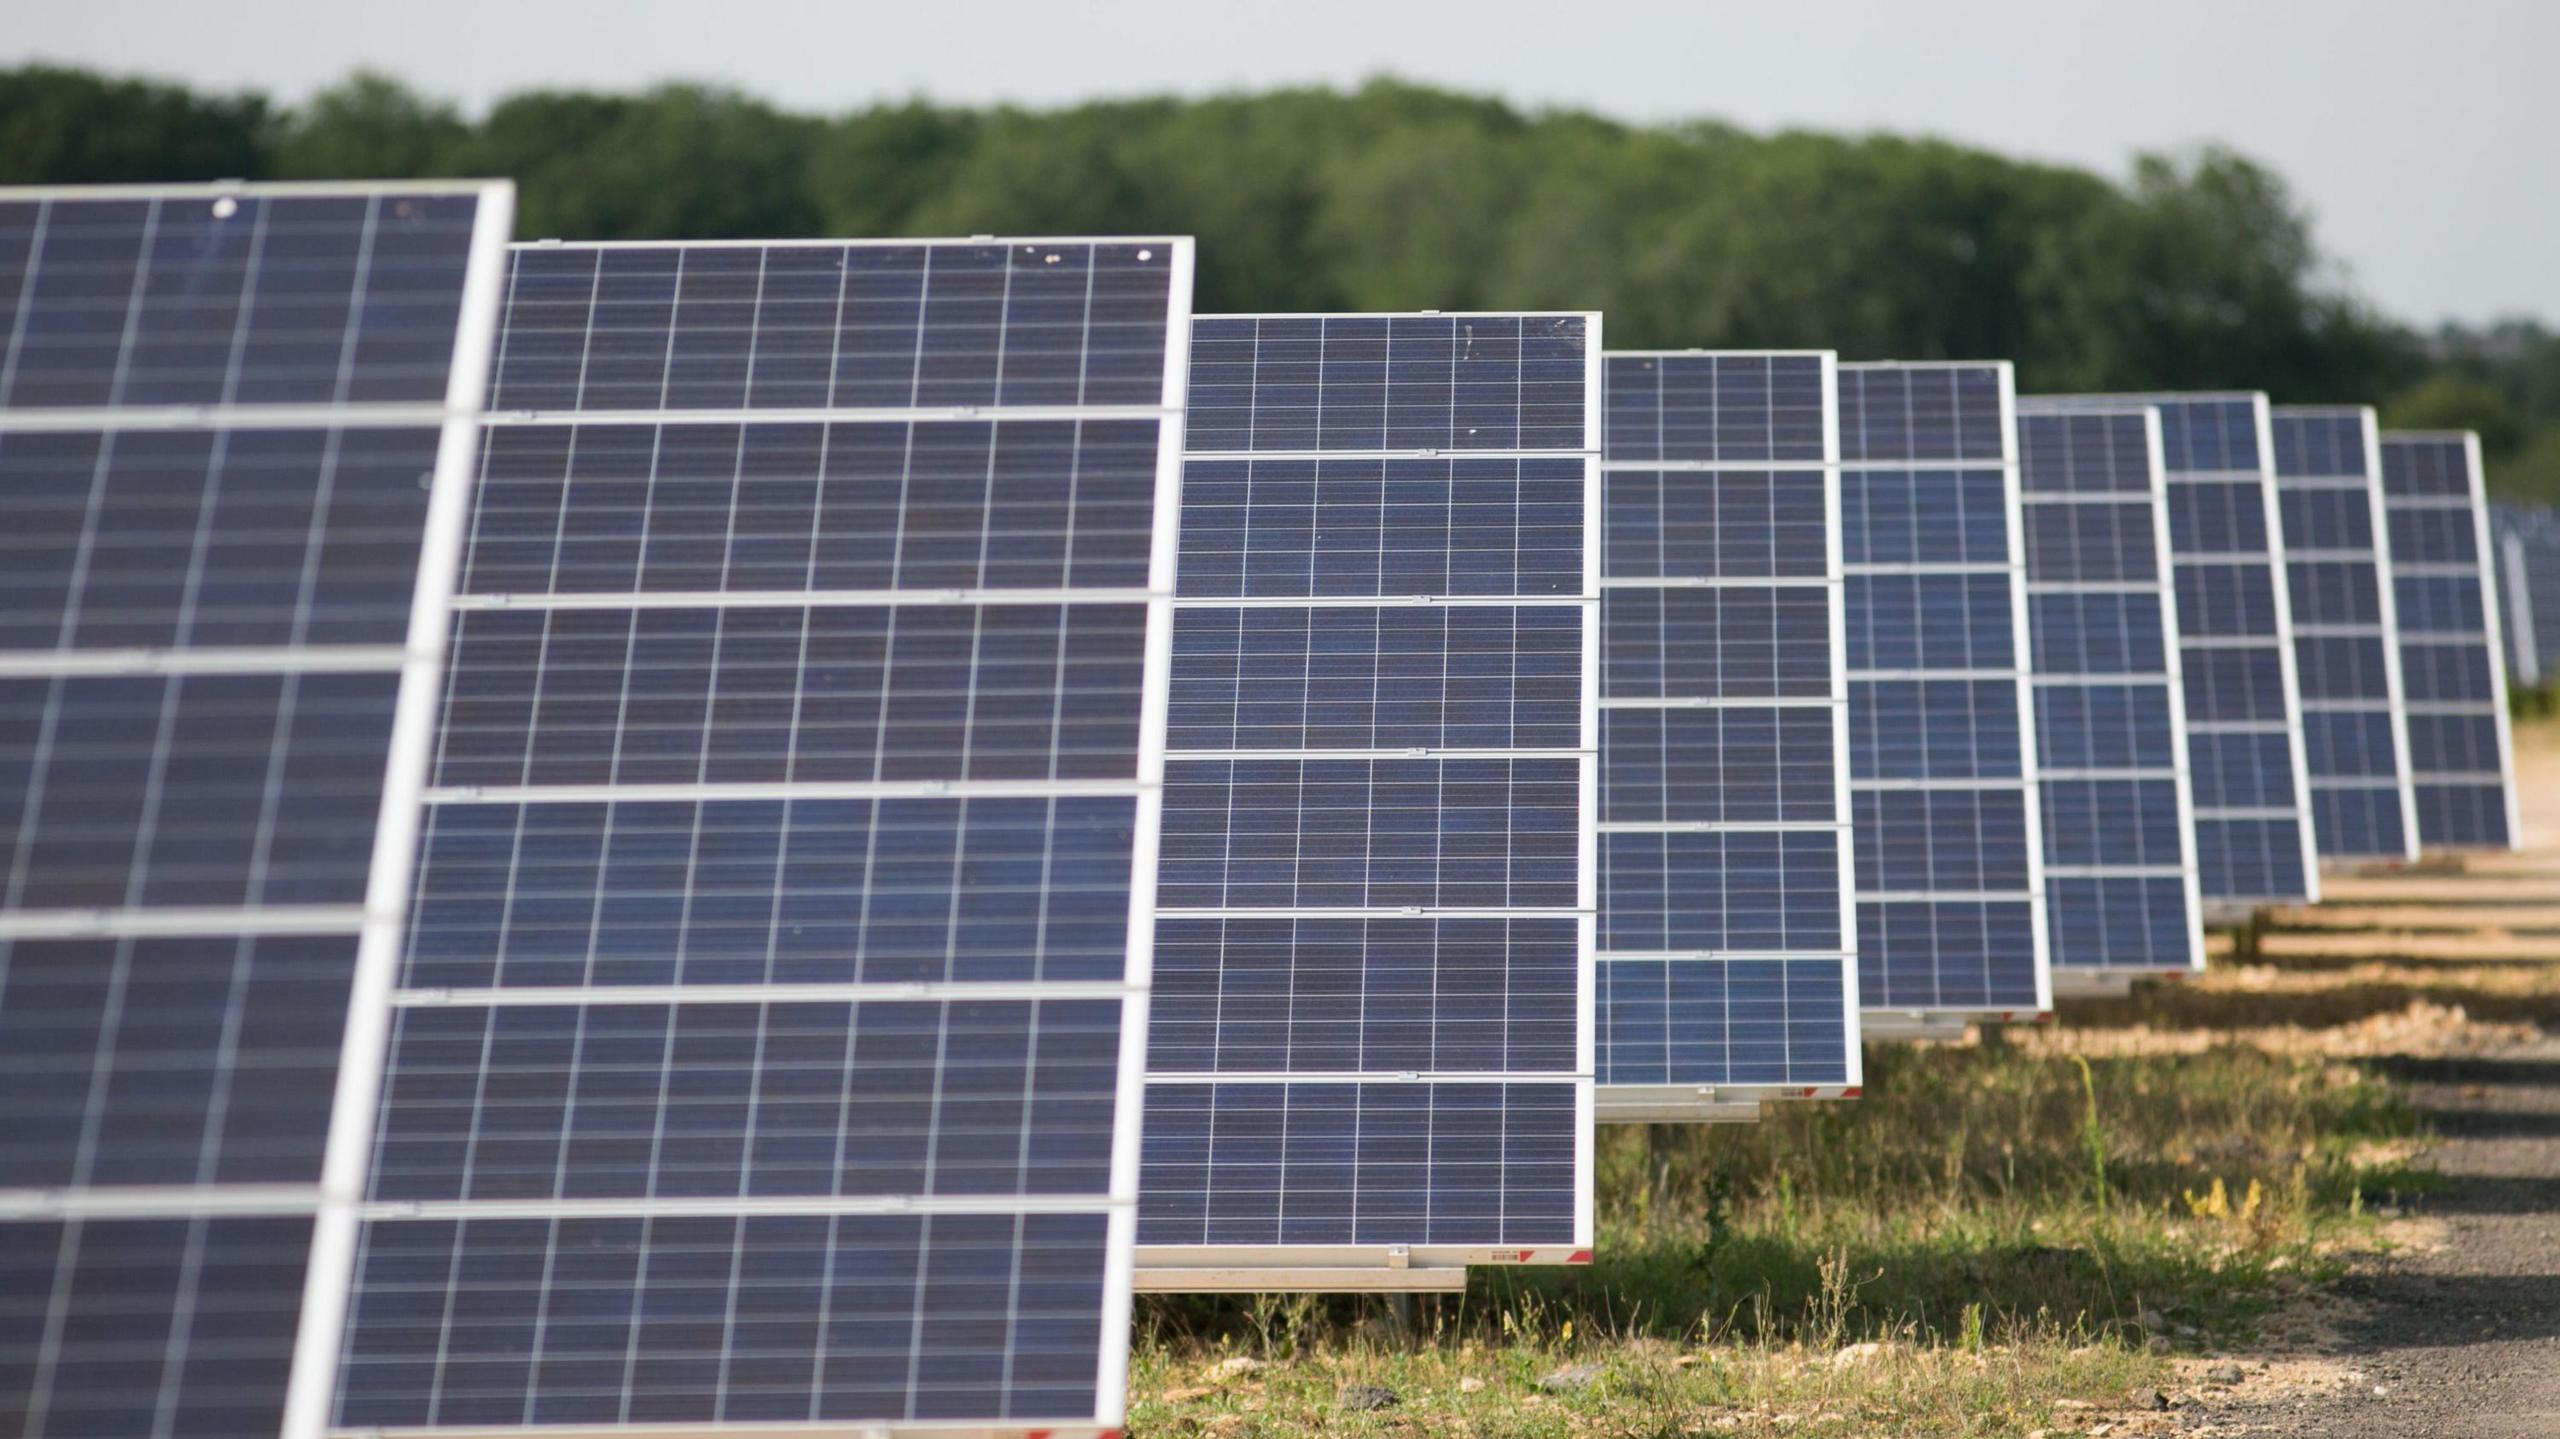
(311, 1387)
(1907, 1021)
(2107, 981)
(2396, 694)
(1426, 1268)
(1742, 1103)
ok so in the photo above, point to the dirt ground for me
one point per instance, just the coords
(2456, 1329)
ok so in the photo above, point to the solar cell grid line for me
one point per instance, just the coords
(2461, 751)
(767, 1051)
(1371, 1052)
(1727, 961)
(2120, 868)
(237, 428)
(2345, 637)
(1947, 823)
(2246, 760)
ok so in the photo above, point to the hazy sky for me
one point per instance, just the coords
(2422, 135)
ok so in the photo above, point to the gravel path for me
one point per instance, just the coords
(2461, 1340)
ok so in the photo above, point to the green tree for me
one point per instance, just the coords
(2533, 473)
(69, 127)
(370, 127)
(869, 173)
(2451, 401)
(2197, 270)
(678, 163)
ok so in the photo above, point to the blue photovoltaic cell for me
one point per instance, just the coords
(195, 538)
(1303, 1163)
(1740, 408)
(2346, 645)
(870, 1098)
(2120, 871)
(1724, 926)
(1279, 384)
(1371, 834)
(900, 890)
(870, 325)
(1274, 995)
(1740, 642)
(154, 1060)
(2246, 759)
(1373, 889)
(218, 790)
(1389, 677)
(167, 1325)
(877, 505)
(1271, 529)
(254, 295)
(739, 702)
(2461, 760)
(221, 428)
(1941, 774)
(594, 1320)
(793, 694)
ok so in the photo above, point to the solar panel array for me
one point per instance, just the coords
(766, 1049)
(1942, 774)
(235, 444)
(2245, 756)
(1727, 970)
(2119, 848)
(2461, 756)
(1371, 1041)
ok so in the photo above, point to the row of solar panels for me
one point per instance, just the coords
(621, 837)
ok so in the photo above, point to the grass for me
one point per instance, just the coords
(2013, 1232)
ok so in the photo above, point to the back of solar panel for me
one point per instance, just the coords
(236, 438)
(1371, 1059)
(2346, 640)
(1727, 967)
(2111, 745)
(2246, 759)
(2461, 752)
(766, 1050)
(1950, 851)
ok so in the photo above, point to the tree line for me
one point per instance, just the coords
(2194, 270)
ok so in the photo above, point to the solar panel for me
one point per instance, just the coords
(2245, 755)
(1942, 775)
(2461, 756)
(766, 1051)
(236, 432)
(2119, 847)
(1370, 1059)
(1727, 969)
(2345, 645)
(2527, 565)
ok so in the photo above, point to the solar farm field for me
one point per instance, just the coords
(2241, 1200)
